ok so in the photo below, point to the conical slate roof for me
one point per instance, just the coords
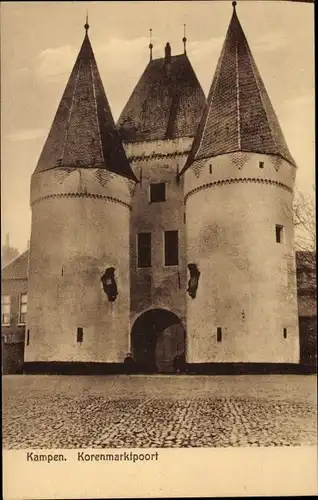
(166, 103)
(239, 115)
(83, 133)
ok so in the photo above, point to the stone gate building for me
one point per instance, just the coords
(168, 233)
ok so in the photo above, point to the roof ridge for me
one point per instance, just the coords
(16, 258)
(96, 112)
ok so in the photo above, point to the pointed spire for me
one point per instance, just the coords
(150, 43)
(239, 115)
(83, 133)
(86, 25)
(184, 39)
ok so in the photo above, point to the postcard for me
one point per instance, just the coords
(158, 304)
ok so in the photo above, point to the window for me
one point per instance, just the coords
(5, 309)
(157, 192)
(80, 334)
(219, 334)
(23, 308)
(279, 233)
(171, 248)
(210, 169)
(261, 164)
(285, 333)
(144, 249)
(28, 338)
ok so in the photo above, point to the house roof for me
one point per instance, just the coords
(239, 115)
(17, 269)
(83, 133)
(166, 103)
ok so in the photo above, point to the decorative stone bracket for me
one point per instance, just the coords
(109, 284)
(193, 281)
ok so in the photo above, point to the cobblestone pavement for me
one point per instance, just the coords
(158, 411)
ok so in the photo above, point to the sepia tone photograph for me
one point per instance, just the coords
(158, 227)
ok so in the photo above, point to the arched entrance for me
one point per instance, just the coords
(157, 337)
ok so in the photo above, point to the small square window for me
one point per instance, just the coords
(219, 334)
(279, 233)
(157, 192)
(261, 164)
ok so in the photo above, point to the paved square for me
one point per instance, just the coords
(158, 411)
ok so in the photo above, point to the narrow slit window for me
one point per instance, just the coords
(28, 338)
(171, 248)
(210, 169)
(157, 192)
(219, 334)
(261, 164)
(279, 233)
(285, 333)
(144, 249)
(80, 334)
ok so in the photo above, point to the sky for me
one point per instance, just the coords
(40, 42)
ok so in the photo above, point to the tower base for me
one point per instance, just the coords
(81, 368)
(72, 368)
(249, 368)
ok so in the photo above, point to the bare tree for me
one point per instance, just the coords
(305, 228)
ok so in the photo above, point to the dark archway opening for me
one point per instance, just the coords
(158, 342)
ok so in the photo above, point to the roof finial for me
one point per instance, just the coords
(168, 52)
(86, 25)
(234, 4)
(150, 44)
(184, 39)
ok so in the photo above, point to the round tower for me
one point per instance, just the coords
(239, 180)
(78, 286)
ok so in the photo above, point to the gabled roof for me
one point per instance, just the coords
(17, 269)
(83, 133)
(166, 103)
(239, 115)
